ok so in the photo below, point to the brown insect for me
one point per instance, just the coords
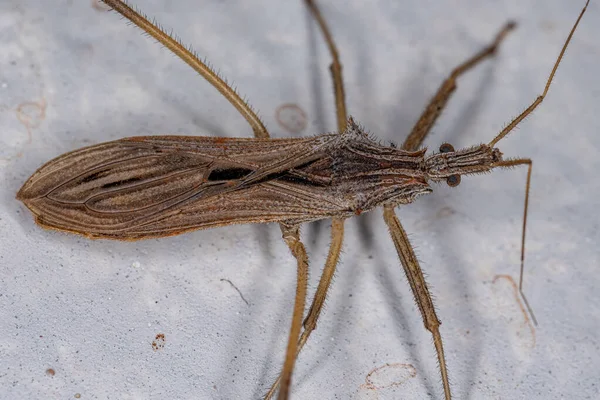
(154, 186)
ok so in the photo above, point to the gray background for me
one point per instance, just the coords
(71, 76)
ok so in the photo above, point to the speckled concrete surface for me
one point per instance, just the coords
(80, 316)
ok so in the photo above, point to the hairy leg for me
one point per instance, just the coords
(419, 288)
(438, 102)
(291, 236)
(310, 322)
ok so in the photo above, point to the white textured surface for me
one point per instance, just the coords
(71, 76)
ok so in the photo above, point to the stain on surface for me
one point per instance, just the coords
(31, 114)
(386, 376)
(159, 342)
(526, 324)
(445, 212)
(291, 117)
(50, 372)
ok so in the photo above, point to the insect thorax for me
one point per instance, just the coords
(365, 174)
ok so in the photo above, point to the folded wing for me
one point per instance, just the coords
(155, 186)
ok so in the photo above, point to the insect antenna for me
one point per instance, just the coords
(526, 161)
(541, 97)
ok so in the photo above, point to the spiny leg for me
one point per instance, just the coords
(419, 288)
(407, 256)
(190, 58)
(337, 227)
(291, 236)
(335, 68)
(438, 102)
(310, 322)
(403, 246)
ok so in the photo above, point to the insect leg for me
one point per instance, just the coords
(191, 59)
(335, 68)
(438, 102)
(529, 163)
(419, 288)
(291, 236)
(541, 97)
(310, 322)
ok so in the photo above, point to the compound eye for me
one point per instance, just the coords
(446, 148)
(453, 180)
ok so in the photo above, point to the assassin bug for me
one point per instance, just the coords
(155, 186)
